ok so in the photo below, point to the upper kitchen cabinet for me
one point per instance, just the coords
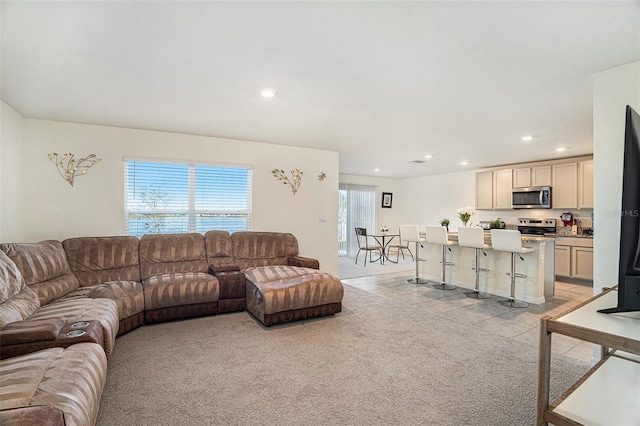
(502, 188)
(484, 190)
(522, 177)
(585, 184)
(564, 191)
(570, 179)
(541, 176)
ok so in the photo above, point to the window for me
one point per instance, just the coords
(356, 208)
(164, 198)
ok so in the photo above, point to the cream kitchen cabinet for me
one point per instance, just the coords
(563, 261)
(574, 257)
(484, 190)
(564, 191)
(582, 263)
(522, 177)
(585, 184)
(541, 176)
(525, 177)
(502, 188)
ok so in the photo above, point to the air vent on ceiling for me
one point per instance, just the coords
(417, 161)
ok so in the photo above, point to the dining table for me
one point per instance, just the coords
(384, 239)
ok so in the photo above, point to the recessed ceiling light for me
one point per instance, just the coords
(527, 138)
(376, 170)
(560, 149)
(268, 93)
(464, 163)
(428, 156)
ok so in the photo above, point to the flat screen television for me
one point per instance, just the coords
(629, 260)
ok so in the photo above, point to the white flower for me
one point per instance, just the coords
(383, 228)
(466, 210)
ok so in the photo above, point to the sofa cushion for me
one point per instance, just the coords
(285, 288)
(19, 307)
(170, 253)
(128, 296)
(97, 260)
(67, 379)
(263, 248)
(44, 268)
(17, 300)
(11, 281)
(177, 289)
(104, 311)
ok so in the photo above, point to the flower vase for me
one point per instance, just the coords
(464, 222)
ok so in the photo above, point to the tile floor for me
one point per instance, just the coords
(517, 323)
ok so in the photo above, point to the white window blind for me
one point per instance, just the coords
(356, 208)
(165, 198)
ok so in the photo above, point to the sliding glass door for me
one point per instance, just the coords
(356, 208)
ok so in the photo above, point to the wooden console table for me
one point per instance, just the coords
(609, 394)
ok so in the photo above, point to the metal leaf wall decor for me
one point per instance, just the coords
(296, 175)
(68, 167)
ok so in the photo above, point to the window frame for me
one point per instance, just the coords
(191, 213)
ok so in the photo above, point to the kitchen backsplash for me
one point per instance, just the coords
(581, 223)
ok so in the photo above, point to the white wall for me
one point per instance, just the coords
(386, 216)
(428, 199)
(11, 166)
(95, 205)
(613, 90)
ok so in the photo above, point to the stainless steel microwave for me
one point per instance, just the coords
(538, 197)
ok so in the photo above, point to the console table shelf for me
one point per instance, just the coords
(608, 393)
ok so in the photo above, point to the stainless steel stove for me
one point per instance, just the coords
(536, 226)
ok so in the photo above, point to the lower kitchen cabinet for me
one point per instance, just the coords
(574, 257)
(582, 263)
(563, 261)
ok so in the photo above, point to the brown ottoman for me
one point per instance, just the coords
(278, 294)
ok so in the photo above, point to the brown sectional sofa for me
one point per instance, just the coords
(100, 287)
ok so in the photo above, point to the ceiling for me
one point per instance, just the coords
(383, 83)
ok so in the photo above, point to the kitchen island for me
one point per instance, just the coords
(538, 266)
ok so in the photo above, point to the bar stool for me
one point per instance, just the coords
(411, 233)
(473, 237)
(510, 241)
(438, 235)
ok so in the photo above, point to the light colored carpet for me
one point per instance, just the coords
(376, 363)
(348, 269)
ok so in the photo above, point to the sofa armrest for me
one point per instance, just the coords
(42, 415)
(219, 269)
(29, 331)
(305, 262)
(23, 337)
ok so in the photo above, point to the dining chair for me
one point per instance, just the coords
(363, 244)
(402, 245)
